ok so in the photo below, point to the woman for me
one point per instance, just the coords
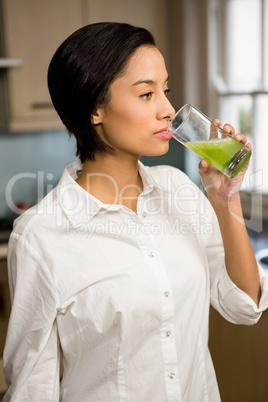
(116, 267)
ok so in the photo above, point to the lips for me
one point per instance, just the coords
(164, 133)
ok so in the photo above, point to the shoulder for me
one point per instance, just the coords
(169, 177)
(181, 191)
(39, 220)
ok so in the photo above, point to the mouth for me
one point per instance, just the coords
(164, 133)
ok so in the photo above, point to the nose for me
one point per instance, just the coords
(166, 110)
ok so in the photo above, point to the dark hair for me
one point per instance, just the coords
(81, 72)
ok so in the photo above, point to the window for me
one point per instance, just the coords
(238, 74)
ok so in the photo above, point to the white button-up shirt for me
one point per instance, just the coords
(124, 296)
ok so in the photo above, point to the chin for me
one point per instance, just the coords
(157, 151)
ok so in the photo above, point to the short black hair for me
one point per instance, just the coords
(81, 72)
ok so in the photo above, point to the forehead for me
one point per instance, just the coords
(145, 61)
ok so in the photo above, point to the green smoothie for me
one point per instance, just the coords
(220, 152)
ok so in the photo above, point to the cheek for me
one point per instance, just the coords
(131, 111)
(141, 119)
(128, 122)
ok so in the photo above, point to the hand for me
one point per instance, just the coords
(218, 186)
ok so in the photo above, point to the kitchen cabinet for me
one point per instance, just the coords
(240, 357)
(4, 303)
(4, 311)
(30, 31)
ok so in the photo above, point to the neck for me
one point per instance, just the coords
(111, 180)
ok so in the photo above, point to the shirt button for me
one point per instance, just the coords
(166, 294)
(168, 333)
(151, 253)
(171, 375)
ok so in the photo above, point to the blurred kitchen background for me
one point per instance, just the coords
(216, 53)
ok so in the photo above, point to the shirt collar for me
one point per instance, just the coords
(79, 205)
(148, 180)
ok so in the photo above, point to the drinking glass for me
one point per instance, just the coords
(197, 132)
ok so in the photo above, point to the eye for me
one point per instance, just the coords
(147, 96)
(167, 91)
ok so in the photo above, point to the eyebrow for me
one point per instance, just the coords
(150, 82)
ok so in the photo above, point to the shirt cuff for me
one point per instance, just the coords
(238, 306)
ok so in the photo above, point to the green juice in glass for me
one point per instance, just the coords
(222, 153)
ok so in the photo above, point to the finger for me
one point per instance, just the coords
(242, 138)
(228, 128)
(217, 122)
(249, 146)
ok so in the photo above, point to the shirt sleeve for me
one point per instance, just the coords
(230, 301)
(31, 354)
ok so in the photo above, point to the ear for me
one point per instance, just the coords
(96, 116)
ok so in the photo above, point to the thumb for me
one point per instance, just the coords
(205, 170)
(203, 166)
